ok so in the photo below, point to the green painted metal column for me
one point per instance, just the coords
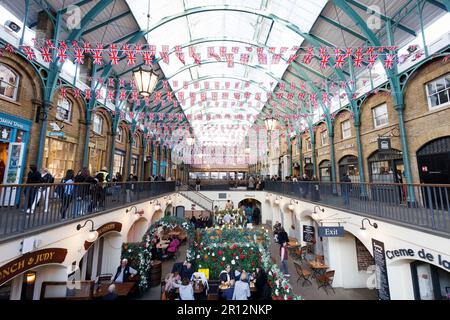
(144, 148)
(158, 161)
(332, 157)
(313, 150)
(131, 139)
(300, 154)
(89, 113)
(289, 155)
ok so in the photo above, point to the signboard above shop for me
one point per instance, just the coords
(384, 144)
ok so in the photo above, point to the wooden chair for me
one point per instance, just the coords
(325, 280)
(213, 291)
(319, 258)
(302, 273)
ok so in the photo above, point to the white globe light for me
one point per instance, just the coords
(291, 207)
(92, 236)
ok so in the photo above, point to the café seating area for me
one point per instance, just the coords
(309, 266)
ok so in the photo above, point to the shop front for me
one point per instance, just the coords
(119, 162)
(23, 277)
(103, 255)
(97, 155)
(14, 135)
(349, 165)
(59, 154)
(325, 171)
(308, 168)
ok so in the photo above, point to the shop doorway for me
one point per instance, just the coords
(433, 161)
(430, 282)
(249, 205)
(349, 165)
(308, 170)
(3, 159)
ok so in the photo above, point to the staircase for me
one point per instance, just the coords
(199, 199)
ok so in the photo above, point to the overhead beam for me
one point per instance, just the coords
(88, 18)
(340, 26)
(382, 16)
(107, 22)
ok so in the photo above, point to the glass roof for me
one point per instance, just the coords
(236, 25)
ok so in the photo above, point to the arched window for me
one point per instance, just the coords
(64, 109)
(120, 134)
(98, 124)
(9, 82)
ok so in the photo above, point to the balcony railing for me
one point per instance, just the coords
(418, 206)
(32, 206)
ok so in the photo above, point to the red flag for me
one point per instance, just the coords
(389, 61)
(46, 55)
(29, 52)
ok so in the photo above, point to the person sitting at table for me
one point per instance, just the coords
(124, 271)
(173, 245)
(112, 295)
(197, 278)
(186, 289)
(242, 288)
(227, 294)
(227, 218)
(169, 288)
(237, 274)
(225, 275)
(187, 271)
(155, 251)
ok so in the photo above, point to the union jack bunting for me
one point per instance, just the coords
(29, 52)
(114, 55)
(111, 95)
(87, 94)
(122, 95)
(389, 61)
(98, 59)
(339, 63)
(63, 92)
(46, 55)
(165, 54)
(357, 60)
(372, 60)
(98, 95)
(324, 61)
(307, 58)
(148, 58)
(9, 48)
(230, 60)
(77, 93)
(131, 58)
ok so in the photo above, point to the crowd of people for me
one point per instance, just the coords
(76, 200)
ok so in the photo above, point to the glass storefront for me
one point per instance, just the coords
(383, 167)
(430, 282)
(134, 164)
(119, 162)
(59, 156)
(325, 171)
(97, 159)
(349, 165)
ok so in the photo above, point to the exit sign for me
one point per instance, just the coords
(331, 231)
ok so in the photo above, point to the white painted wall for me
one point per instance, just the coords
(112, 249)
(341, 257)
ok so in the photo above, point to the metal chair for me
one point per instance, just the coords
(325, 280)
(302, 273)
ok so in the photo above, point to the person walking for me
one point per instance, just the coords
(33, 177)
(345, 188)
(251, 183)
(130, 187)
(43, 191)
(67, 195)
(284, 259)
(197, 184)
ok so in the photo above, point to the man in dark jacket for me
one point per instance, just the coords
(346, 188)
(124, 271)
(112, 295)
(33, 177)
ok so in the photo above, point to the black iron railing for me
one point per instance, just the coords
(30, 206)
(421, 206)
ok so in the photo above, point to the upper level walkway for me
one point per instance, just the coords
(423, 207)
(32, 207)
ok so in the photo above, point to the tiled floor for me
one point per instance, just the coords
(308, 292)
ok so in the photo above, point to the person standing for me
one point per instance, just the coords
(186, 289)
(33, 177)
(130, 187)
(345, 188)
(284, 259)
(251, 183)
(197, 184)
(68, 189)
(242, 288)
(256, 215)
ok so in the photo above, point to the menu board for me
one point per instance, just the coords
(381, 270)
(308, 233)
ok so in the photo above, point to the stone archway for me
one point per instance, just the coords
(158, 214)
(251, 204)
(137, 230)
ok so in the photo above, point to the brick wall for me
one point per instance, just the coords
(363, 256)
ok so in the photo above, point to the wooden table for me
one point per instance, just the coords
(122, 289)
(197, 289)
(252, 287)
(318, 268)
